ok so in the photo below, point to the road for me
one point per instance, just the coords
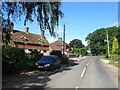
(87, 73)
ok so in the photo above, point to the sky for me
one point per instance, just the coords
(80, 19)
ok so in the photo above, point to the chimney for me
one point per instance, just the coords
(42, 33)
(59, 39)
(11, 25)
(27, 30)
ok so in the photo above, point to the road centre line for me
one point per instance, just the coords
(83, 72)
(76, 88)
(88, 64)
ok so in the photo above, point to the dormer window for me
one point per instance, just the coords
(24, 38)
(41, 42)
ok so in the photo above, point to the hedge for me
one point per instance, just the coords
(64, 58)
(82, 51)
(15, 60)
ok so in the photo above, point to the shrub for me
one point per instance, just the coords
(82, 51)
(30, 65)
(64, 59)
(13, 59)
(35, 55)
(56, 52)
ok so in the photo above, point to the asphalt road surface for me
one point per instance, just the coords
(90, 72)
(87, 73)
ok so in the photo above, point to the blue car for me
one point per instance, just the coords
(49, 62)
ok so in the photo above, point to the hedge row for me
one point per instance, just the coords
(64, 58)
(82, 51)
(15, 60)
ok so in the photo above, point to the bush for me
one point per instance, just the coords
(64, 59)
(30, 65)
(56, 52)
(35, 55)
(82, 51)
(114, 57)
(13, 59)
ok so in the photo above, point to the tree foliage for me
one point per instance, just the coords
(13, 60)
(81, 51)
(97, 41)
(7, 33)
(76, 43)
(47, 14)
(115, 46)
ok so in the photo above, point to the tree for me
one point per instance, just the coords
(97, 41)
(115, 46)
(76, 43)
(47, 14)
(82, 51)
(7, 32)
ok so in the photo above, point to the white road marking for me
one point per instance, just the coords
(88, 64)
(83, 72)
(76, 88)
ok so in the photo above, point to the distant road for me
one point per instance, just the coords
(87, 73)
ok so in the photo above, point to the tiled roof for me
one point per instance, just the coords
(31, 43)
(31, 38)
(57, 45)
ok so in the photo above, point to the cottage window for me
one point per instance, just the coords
(41, 42)
(24, 38)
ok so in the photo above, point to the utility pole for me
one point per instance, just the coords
(63, 39)
(108, 48)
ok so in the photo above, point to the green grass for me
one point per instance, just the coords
(112, 62)
(116, 65)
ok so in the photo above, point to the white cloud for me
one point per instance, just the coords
(60, 30)
(116, 24)
(85, 43)
(52, 39)
(67, 41)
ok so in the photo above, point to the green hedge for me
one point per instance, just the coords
(56, 52)
(82, 51)
(13, 59)
(64, 58)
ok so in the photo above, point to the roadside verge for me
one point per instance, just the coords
(78, 58)
(111, 67)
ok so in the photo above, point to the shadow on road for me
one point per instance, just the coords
(33, 80)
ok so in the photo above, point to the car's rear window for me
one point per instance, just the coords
(47, 58)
